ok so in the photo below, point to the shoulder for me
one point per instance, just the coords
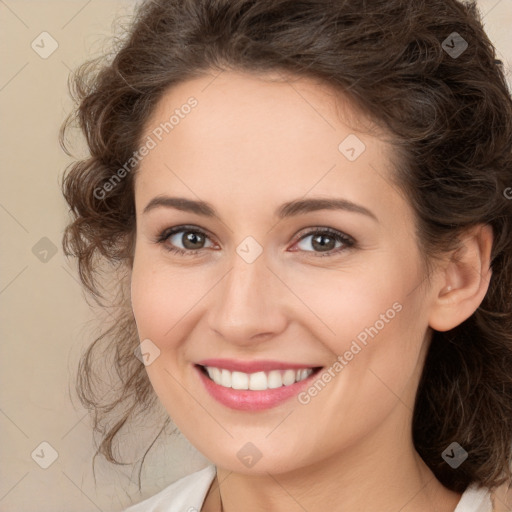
(475, 499)
(185, 495)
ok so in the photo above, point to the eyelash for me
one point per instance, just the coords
(348, 241)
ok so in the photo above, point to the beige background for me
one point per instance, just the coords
(45, 322)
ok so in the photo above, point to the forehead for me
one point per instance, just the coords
(256, 135)
(254, 109)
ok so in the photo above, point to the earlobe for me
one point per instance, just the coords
(464, 281)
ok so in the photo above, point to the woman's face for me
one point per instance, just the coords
(261, 280)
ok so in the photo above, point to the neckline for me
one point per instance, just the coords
(475, 499)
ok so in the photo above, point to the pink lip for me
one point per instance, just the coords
(234, 365)
(249, 400)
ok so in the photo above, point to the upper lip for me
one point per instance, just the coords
(235, 365)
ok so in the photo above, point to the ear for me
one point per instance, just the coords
(464, 280)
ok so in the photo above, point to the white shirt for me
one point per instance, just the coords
(188, 495)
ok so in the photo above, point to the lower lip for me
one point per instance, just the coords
(249, 400)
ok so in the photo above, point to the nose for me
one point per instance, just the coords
(249, 304)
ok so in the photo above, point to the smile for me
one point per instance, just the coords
(258, 381)
(256, 390)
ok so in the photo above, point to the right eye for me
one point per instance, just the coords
(188, 236)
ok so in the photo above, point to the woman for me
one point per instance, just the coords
(305, 209)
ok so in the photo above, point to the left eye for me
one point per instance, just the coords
(322, 240)
(325, 241)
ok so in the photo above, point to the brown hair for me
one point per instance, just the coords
(450, 117)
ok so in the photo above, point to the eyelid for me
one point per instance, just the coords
(167, 232)
(312, 230)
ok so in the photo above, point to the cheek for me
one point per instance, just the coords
(158, 296)
(371, 322)
(336, 305)
(354, 303)
(148, 302)
(159, 309)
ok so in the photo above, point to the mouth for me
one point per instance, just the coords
(257, 381)
(255, 391)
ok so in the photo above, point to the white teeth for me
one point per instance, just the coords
(225, 378)
(274, 379)
(258, 381)
(239, 380)
(217, 374)
(289, 377)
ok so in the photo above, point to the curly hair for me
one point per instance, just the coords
(450, 117)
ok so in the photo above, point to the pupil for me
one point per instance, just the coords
(190, 239)
(322, 246)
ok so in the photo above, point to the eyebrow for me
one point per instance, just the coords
(289, 209)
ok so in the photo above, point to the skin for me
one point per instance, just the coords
(251, 144)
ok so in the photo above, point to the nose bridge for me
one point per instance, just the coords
(247, 302)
